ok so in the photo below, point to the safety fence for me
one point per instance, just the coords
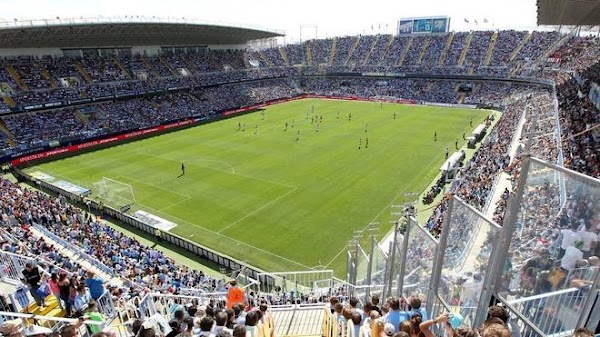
(29, 321)
(548, 290)
(78, 251)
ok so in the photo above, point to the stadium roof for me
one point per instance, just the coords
(568, 12)
(112, 33)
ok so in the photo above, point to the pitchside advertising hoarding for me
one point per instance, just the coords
(423, 25)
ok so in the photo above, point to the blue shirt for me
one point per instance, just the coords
(395, 317)
(421, 311)
(95, 286)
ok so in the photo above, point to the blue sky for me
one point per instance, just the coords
(309, 18)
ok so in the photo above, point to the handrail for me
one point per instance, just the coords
(520, 316)
(213, 294)
(69, 246)
(49, 318)
(544, 295)
(15, 263)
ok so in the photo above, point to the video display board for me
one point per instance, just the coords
(423, 25)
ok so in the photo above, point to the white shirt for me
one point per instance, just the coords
(472, 290)
(569, 238)
(570, 258)
(587, 238)
(217, 328)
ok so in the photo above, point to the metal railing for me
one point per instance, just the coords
(53, 323)
(20, 299)
(106, 306)
(166, 304)
(292, 285)
(13, 266)
(76, 250)
(552, 313)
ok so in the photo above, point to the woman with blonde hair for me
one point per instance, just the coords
(378, 328)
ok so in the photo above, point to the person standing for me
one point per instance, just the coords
(63, 286)
(182, 169)
(55, 288)
(94, 284)
(32, 277)
(235, 294)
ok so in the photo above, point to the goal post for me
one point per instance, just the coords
(113, 192)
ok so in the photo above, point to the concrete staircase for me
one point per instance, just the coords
(51, 309)
(9, 101)
(446, 48)
(298, 321)
(352, 49)
(333, 49)
(149, 67)
(423, 50)
(518, 48)
(463, 54)
(190, 66)
(16, 76)
(490, 50)
(5, 130)
(83, 73)
(264, 59)
(308, 54)
(387, 47)
(368, 56)
(81, 117)
(405, 51)
(72, 255)
(284, 56)
(122, 67)
(167, 65)
(46, 75)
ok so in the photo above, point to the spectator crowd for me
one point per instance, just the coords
(557, 237)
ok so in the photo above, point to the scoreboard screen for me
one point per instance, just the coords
(423, 25)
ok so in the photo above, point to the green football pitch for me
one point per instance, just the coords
(278, 199)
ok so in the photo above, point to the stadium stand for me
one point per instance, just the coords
(130, 91)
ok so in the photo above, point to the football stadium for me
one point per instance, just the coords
(167, 177)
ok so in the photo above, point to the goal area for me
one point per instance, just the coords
(113, 192)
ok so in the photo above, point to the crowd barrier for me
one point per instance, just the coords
(57, 323)
(80, 253)
(11, 268)
(475, 261)
(298, 284)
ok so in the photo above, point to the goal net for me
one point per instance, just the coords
(114, 193)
